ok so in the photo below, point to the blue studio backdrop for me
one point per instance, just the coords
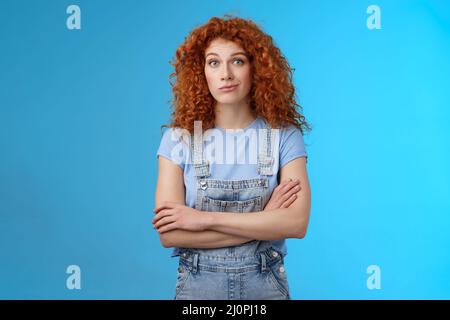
(81, 105)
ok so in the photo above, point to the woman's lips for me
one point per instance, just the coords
(228, 89)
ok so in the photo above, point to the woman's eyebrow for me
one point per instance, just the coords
(234, 54)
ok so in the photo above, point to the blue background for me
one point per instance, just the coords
(80, 125)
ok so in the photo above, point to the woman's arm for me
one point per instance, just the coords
(170, 187)
(291, 222)
(200, 239)
(272, 224)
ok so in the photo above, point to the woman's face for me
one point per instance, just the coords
(227, 65)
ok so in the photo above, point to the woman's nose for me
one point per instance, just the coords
(226, 73)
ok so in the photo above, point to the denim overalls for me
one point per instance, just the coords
(250, 271)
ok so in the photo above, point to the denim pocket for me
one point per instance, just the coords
(250, 205)
(278, 276)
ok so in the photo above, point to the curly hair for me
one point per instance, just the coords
(272, 91)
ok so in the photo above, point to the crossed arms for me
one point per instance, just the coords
(225, 229)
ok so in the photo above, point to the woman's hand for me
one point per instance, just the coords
(283, 195)
(172, 215)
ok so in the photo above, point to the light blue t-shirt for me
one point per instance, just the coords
(287, 145)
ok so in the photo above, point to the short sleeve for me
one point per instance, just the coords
(173, 147)
(292, 145)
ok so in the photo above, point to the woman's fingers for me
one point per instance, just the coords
(164, 221)
(289, 197)
(292, 191)
(167, 227)
(281, 185)
(289, 201)
(287, 185)
(165, 205)
(288, 189)
(282, 193)
(161, 214)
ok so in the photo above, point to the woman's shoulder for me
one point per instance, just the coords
(292, 144)
(175, 134)
(290, 131)
(290, 127)
(174, 142)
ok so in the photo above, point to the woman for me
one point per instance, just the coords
(228, 221)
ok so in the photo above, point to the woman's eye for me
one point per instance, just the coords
(212, 61)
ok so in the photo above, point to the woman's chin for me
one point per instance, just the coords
(228, 100)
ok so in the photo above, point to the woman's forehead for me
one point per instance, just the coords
(223, 45)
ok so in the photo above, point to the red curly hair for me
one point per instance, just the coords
(272, 92)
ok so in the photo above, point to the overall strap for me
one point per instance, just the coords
(200, 164)
(265, 157)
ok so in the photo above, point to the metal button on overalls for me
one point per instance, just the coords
(238, 271)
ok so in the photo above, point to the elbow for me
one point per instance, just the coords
(301, 227)
(300, 232)
(165, 241)
(166, 245)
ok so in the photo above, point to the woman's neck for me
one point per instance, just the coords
(233, 117)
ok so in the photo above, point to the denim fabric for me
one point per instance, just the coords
(237, 277)
(287, 144)
(250, 271)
